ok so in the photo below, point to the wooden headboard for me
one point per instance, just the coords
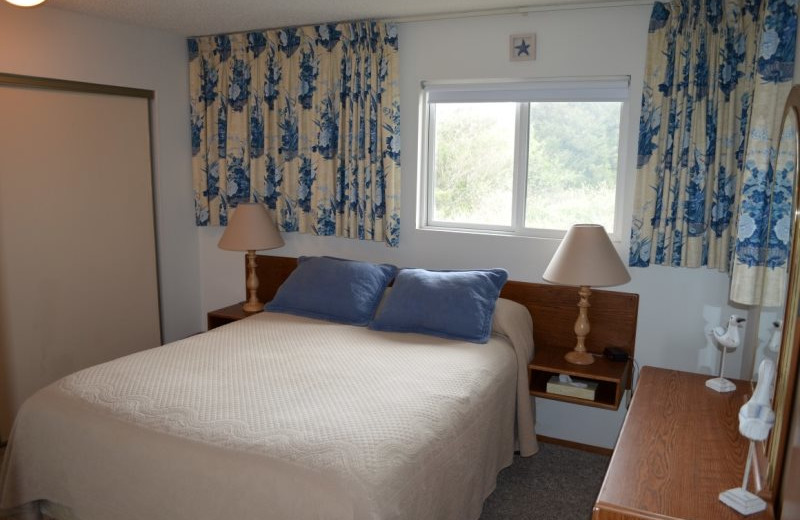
(554, 308)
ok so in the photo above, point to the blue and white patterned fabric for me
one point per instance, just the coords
(303, 119)
(765, 228)
(717, 75)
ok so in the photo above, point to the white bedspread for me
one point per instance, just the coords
(279, 417)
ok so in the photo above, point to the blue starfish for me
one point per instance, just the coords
(522, 48)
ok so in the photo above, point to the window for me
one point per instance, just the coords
(527, 158)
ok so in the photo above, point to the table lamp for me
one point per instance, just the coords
(251, 229)
(585, 258)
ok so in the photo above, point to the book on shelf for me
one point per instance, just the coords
(579, 388)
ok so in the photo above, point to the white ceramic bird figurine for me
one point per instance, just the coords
(729, 338)
(756, 417)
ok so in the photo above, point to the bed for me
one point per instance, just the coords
(281, 415)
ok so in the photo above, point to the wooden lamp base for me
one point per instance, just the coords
(252, 304)
(249, 306)
(579, 356)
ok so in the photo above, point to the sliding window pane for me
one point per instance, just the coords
(474, 163)
(572, 164)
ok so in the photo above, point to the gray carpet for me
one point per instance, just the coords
(558, 483)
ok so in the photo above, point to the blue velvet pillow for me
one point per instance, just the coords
(345, 291)
(449, 304)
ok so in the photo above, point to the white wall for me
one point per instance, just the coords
(52, 43)
(676, 306)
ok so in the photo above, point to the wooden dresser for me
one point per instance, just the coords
(678, 449)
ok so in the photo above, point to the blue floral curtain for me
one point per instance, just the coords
(763, 233)
(716, 77)
(305, 120)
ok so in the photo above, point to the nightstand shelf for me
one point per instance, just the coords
(225, 315)
(612, 377)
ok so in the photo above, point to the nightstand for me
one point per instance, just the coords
(225, 315)
(612, 377)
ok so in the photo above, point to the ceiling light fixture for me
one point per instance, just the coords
(25, 3)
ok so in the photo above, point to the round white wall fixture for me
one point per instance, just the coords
(25, 3)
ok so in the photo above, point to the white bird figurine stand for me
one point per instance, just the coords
(774, 343)
(727, 339)
(756, 419)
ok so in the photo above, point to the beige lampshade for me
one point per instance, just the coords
(586, 256)
(250, 229)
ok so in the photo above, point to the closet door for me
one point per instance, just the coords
(78, 277)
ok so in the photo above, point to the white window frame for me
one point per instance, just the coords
(521, 92)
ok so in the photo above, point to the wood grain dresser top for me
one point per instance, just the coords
(678, 449)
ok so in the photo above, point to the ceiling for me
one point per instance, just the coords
(201, 17)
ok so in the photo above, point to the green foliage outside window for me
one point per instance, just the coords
(474, 162)
(572, 163)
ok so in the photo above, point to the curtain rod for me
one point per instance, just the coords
(516, 10)
(468, 14)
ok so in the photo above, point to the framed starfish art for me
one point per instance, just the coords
(522, 47)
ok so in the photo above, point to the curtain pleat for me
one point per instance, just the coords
(303, 119)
